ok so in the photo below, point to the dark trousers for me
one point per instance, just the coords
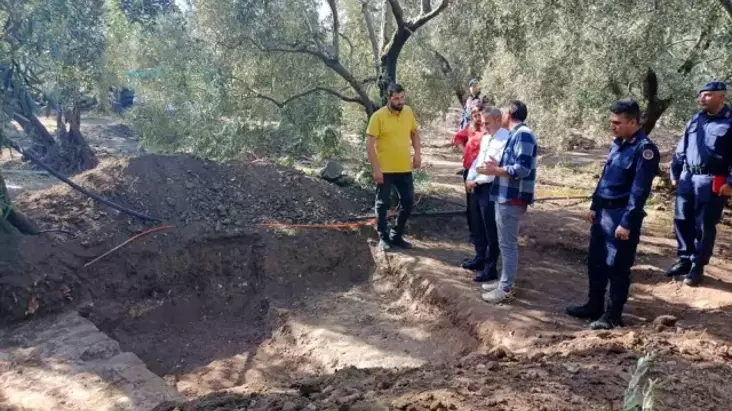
(484, 229)
(698, 211)
(610, 260)
(404, 186)
(470, 208)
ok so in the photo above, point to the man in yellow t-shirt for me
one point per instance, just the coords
(391, 132)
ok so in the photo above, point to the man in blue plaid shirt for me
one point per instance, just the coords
(513, 192)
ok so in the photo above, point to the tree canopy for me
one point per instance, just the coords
(223, 77)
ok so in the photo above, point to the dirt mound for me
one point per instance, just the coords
(217, 255)
(187, 190)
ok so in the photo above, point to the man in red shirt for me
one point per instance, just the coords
(468, 140)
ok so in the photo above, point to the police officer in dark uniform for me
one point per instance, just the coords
(616, 215)
(700, 170)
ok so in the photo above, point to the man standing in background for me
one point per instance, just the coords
(512, 191)
(474, 97)
(701, 170)
(484, 227)
(390, 133)
(469, 141)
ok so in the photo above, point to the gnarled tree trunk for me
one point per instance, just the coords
(69, 153)
(76, 155)
(12, 222)
(655, 106)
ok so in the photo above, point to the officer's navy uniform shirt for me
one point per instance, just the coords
(706, 147)
(629, 172)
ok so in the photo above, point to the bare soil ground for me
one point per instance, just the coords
(236, 316)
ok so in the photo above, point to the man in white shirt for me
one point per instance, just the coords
(485, 231)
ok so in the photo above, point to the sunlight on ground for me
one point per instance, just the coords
(339, 349)
(54, 383)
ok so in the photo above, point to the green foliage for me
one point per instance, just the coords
(634, 399)
(219, 89)
(204, 100)
(569, 61)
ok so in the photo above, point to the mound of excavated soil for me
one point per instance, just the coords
(186, 190)
(218, 254)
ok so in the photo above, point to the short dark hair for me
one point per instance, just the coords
(394, 88)
(628, 107)
(476, 105)
(517, 110)
(492, 111)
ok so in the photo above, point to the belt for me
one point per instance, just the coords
(611, 204)
(703, 170)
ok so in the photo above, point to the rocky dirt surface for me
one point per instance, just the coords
(219, 214)
(531, 356)
(187, 190)
(65, 363)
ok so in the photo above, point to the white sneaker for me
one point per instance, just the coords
(490, 286)
(495, 296)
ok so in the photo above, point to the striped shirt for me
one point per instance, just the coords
(519, 161)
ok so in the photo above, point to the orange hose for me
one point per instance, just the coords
(372, 221)
(129, 240)
(334, 226)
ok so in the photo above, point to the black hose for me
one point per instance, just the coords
(77, 187)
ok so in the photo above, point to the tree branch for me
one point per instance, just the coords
(336, 27)
(727, 4)
(316, 36)
(702, 43)
(282, 104)
(368, 19)
(293, 48)
(397, 12)
(423, 18)
(332, 63)
(385, 26)
(426, 6)
(350, 45)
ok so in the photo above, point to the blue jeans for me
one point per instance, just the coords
(698, 211)
(508, 218)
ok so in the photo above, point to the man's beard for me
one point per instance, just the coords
(395, 108)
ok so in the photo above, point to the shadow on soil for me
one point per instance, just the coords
(552, 275)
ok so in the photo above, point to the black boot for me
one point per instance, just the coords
(475, 264)
(695, 276)
(682, 267)
(607, 321)
(488, 273)
(590, 311)
(399, 242)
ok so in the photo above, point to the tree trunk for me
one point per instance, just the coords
(390, 58)
(43, 141)
(12, 222)
(72, 153)
(655, 106)
(76, 155)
